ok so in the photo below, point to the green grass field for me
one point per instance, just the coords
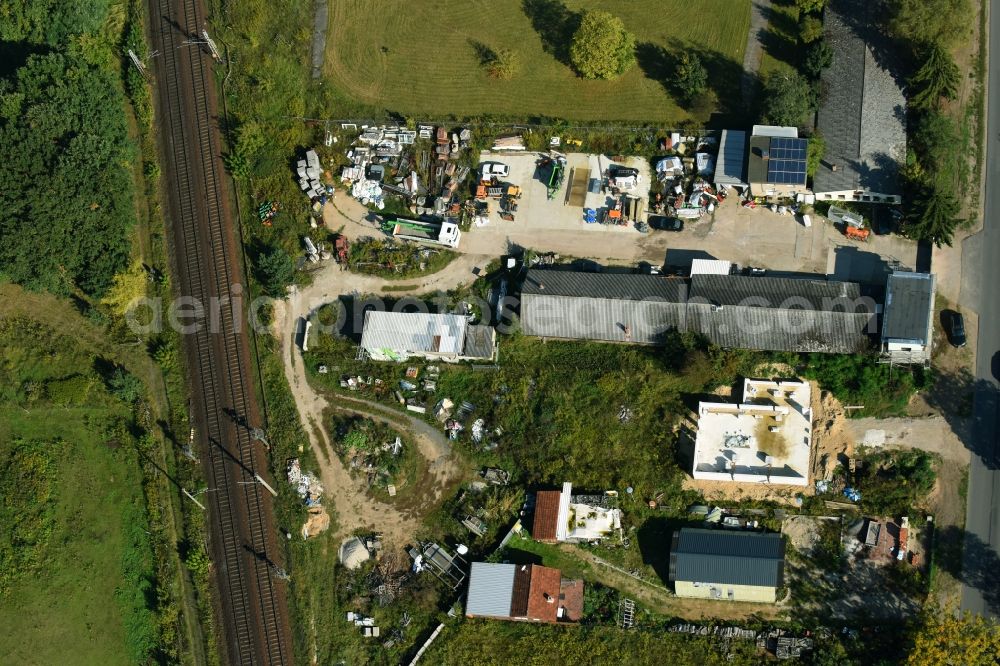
(75, 559)
(67, 605)
(422, 57)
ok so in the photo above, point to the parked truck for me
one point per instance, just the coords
(444, 234)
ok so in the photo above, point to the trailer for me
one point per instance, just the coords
(444, 234)
(576, 192)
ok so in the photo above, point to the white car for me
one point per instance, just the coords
(491, 170)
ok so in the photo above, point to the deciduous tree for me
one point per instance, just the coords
(944, 639)
(930, 21)
(128, 286)
(602, 48)
(65, 187)
(787, 98)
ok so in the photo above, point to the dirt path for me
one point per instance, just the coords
(354, 507)
(755, 48)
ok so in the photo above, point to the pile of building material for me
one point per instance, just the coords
(496, 476)
(368, 192)
(317, 522)
(623, 178)
(784, 645)
(310, 172)
(353, 553)
(307, 486)
(509, 142)
(315, 251)
(382, 164)
(366, 624)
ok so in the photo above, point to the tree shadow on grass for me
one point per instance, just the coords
(659, 63)
(484, 53)
(779, 38)
(555, 24)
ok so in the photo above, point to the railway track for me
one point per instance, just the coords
(251, 597)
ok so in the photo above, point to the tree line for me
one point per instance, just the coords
(65, 188)
(927, 31)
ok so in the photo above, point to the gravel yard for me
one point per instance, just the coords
(747, 237)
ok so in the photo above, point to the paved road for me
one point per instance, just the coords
(983, 514)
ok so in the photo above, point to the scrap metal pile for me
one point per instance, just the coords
(388, 160)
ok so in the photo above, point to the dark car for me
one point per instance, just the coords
(664, 223)
(956, 329)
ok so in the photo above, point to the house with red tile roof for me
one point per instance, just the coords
(561, 516)
(524, 592)
(543, 525)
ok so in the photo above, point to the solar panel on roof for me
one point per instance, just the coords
(787, 163)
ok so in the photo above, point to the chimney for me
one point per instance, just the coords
(549, 599)
(834, 167)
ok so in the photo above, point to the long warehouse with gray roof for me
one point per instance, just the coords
(746, 312)
(615, 307)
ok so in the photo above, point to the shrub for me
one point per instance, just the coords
(892, 482)
(816, 150)
(860, 380)
(819, 56)
(504, 65)
(357, 440)
(27, 512)
(810, 29)
(73, 390)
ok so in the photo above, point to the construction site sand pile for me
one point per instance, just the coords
(318, 521)
(353, 553)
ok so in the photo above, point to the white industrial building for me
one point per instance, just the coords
(398, 336)
(766, 438)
